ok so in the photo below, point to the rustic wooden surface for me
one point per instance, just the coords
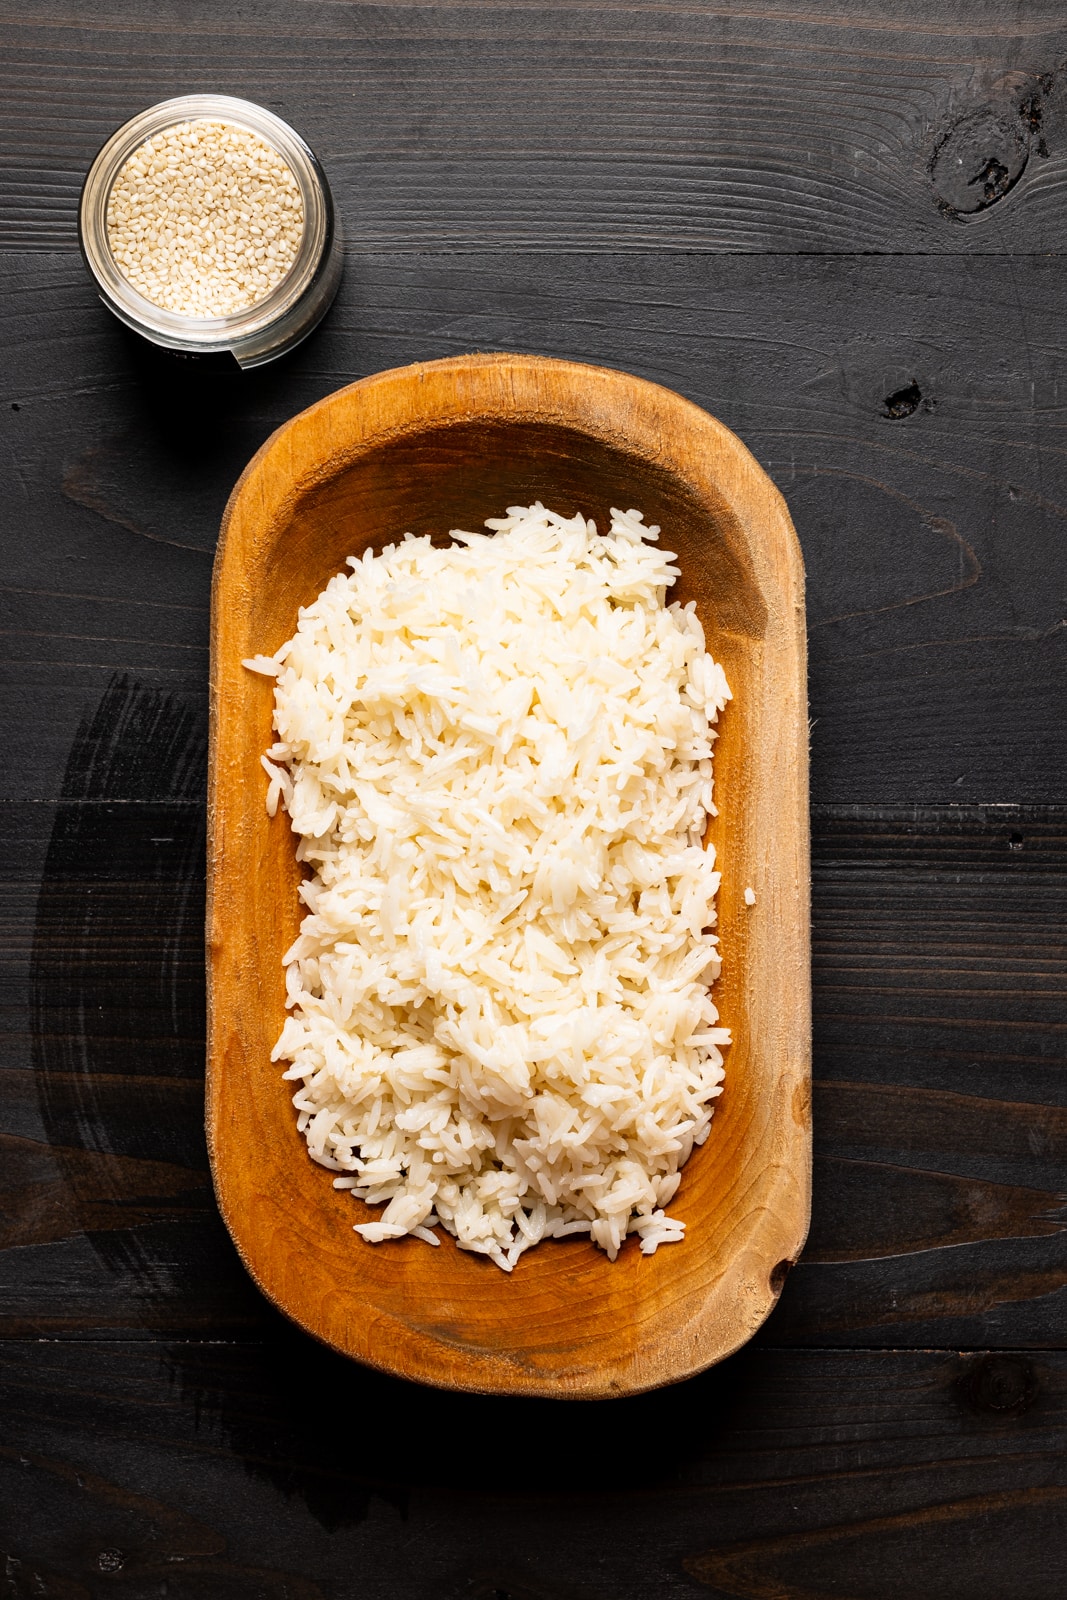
(771, 209)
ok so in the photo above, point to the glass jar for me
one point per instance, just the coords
(270, 326)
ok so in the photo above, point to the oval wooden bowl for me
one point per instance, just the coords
(429, 448)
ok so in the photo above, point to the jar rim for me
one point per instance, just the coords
(173, 328)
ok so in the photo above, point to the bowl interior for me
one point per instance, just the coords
(565, 1310)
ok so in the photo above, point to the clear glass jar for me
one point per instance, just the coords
(270, 326)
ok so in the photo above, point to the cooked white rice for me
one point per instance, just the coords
(497, 757)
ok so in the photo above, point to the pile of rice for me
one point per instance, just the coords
(497, 757)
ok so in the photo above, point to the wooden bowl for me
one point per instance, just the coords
(429, 448)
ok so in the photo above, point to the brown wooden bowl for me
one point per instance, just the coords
(429, 448)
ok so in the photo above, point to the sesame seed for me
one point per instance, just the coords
(205, 219)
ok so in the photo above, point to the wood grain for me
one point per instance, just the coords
(624, 184)
(932, 542)
(938, 929)
(203, 1467)
(644, 124)
(939, 1081)
(427, 448)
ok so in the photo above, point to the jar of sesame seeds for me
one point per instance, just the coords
(209, 226)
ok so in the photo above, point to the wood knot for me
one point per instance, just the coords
(1001, 1384)
(983, 154)
(980, 159)
(903, 402)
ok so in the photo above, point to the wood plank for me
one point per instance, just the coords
(940, 1098)
(937, 646)
(643, 124)
(210, 1469)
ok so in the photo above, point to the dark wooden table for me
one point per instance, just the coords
(841, 229)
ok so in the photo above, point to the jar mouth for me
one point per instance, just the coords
(174, 328)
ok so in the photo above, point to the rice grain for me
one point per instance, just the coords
(497, 759)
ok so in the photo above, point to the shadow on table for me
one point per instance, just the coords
(319, 1425)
